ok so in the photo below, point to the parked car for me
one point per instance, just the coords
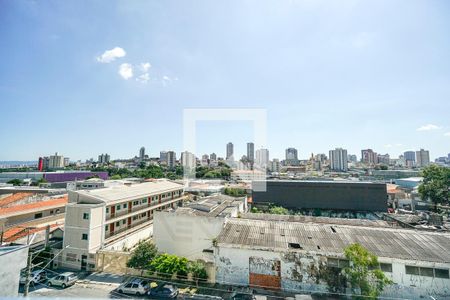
(63, 280)
(166, 290)
(35, 277)
(134, 287)
(242, 296)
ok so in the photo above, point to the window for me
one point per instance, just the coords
(426, 272)
(71, 257)
(135, 218)
(144, 201)
(411, 270)
(85, 216)
(84, 236)
(143, 214)
(117, 223)
(123, 222)
(136, 203)
(106, 228)
(208, 251)
(118, 207)
(51, 212)
(107, 210)
(386, 267)
(125, 205)
(37, 216)
(294, 246)
(441, 273)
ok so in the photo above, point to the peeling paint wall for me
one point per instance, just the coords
(303, 271)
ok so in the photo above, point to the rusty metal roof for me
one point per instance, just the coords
(275, 235)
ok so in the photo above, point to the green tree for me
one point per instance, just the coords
(278, 210)
(435, 185)
(198, 271)
(15, 181)
(142, 256)
(363, 273)
(115, 177)
(235, 192)
(166, 265)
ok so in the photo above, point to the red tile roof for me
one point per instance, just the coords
(17, 209)
(14, 198)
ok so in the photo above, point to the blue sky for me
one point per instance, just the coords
(352, 74)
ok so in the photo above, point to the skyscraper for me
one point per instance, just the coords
(338, 160)
(56, 161)
(163, 157)
(251, 152)
(213, 156)
(188, 160)
(410, 158)
(230, 151)
(142, 153)
(422, 158)
(262, 158)
(368, 156)
(291, 157)
(171, 159)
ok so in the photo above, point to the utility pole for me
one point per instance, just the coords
(28, 273)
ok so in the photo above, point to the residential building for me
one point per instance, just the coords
(213, 156)
(12, 259)
(56, 161)
(66, 161)
(163, 157)
(113, 218)
(338, 160)
(274, 165)
(291, 157)
(422, 158)
(328, 195)
(247, 175)
(262, 158)
(292, 252)
(230, 151)
(410, 158)
(171, 159)
(384, 159)
(352, 158)
(59, 176)
(103, 158)
(187, 160)
(251, 152)
(190, 231)
(369, 157)
(142, 153)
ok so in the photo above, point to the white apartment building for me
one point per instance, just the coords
(422, 158)
(338, 160)
(113, 218)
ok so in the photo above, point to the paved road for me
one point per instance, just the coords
(79, 290)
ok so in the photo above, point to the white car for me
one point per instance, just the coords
(63, 280)
(134, 287)
(35, 277)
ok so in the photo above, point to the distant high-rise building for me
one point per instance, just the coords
(103, 158)
(188, 160)
(338, 160)
(163, 157)
(384, 159)
(66, 161)
(291, 157)
(230, 151)
(422, 158)
(410, 158)
(251, 152)
(274, 165)
(40, 164)
(142, 153)
(262, 158)
(213, 156)
(171, 159)
(352, 158)
(368, 156)
(56, 161)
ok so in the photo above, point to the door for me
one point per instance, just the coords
(83, 262)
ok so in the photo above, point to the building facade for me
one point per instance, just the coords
(230, 151)
(422, 158)
(291, 157)
(113, 218)
(369, 157)
(262, 158)
(338, 160)
(251, 152)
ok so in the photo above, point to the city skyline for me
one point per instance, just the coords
(347, 81)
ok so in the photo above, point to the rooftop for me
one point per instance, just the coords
(32, 207)
(270, 235)
(217, 205)
(123, 192)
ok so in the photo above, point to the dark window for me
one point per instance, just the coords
(426, 272)
(51, 212)
(294, 246)
(411, 270)
(332, 262)
(208, 250)
(117, 223)
(38, 215)
(343, 263)
(441, 273)
(125, 205)
(85, 216)
(84, 236)
(386, 267)
(118, 207)
(106, 228)
(123, 221)
(107, 210)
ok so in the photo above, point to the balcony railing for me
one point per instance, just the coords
(128, 227)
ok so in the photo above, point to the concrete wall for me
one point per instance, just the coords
(131, 239)
(11, 263)
(301, 271)
(186, 235)
(10, 221)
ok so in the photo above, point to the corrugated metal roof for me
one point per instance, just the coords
(332, 238)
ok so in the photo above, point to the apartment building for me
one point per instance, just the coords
(113, 218)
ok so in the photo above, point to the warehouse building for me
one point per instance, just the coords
(332, 195)
(287, 254)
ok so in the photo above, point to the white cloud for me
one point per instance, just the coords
(144, 78)
(388, 146)
(126, 71)
(166, 78)
(111, 55)
(144, 67)
(447, 134)
(428, 127)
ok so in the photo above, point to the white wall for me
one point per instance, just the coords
(11, 263)
(130, 240)
(186, 235)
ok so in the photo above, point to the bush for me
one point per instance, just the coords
(142, 256)
(198, 271)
